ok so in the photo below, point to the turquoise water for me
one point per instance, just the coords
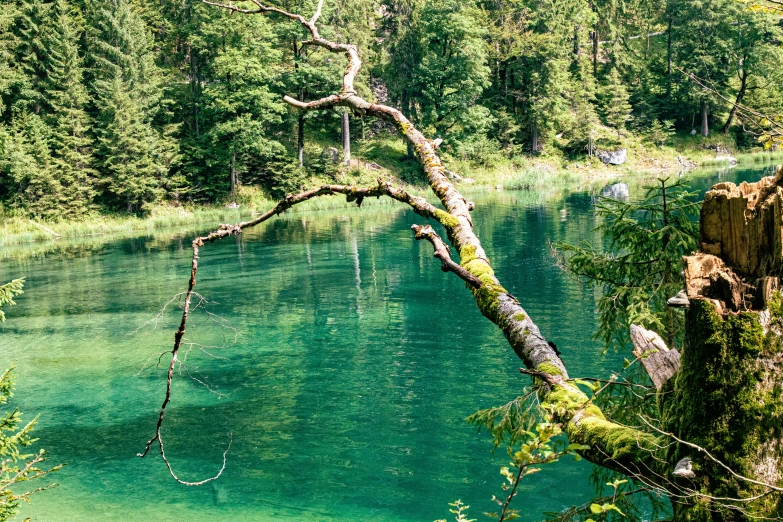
(341, 361)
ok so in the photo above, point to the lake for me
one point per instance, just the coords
(335, 354)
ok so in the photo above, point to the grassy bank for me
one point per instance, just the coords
(386, 157)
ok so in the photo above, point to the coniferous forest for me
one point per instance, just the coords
(124, 104)
(321, 359)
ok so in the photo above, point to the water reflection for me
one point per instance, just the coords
(355, 364)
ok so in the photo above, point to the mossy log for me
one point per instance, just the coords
(727, 391)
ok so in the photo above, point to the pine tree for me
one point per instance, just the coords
(132, 158)
(616, 106)
(586, 121)
(136, 151)
(30, 51)
(13, 81)
(26, 167)
(66, 97)
(660, 132)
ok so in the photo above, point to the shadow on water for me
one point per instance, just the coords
(345, 378)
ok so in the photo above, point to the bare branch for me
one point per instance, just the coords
(442, 252)
(715, 460)
(317, 14)
(419, 205)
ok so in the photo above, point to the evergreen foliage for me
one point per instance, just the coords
(638, 268)
(15, 466)
(660, 132)
(616, 106)
(124, 105)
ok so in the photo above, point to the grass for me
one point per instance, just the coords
(16, 230)
(385, 156)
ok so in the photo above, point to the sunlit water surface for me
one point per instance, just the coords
(343, 374)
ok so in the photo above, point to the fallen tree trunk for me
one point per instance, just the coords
(639, 453)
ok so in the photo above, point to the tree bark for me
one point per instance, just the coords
(669, 53)
(233, 175)
(727, 395)
(737, 101)
(347, 138)
(534, 138)
(705, 129)
(300, 138)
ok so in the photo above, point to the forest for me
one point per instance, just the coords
(124, 105)
(302, 364)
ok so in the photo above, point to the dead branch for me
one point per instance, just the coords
(698, 448)
(584, 425)
(353, 194)
(443, 253)
(658, 360)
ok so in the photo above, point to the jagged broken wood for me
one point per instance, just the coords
(658, 360)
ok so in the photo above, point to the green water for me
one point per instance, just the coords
(344, 380)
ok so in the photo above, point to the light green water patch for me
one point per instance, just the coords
(344, 379)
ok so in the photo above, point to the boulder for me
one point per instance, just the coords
(331, 155)
(612, 157)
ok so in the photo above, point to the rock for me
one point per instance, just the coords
(331, 155)
(499, 187)
(468, 180)
(232, 205)
(731, 160)
(373, 166)
(616, 157)
(686, 163)
(617, 191)
(718, 148)
(693, 132)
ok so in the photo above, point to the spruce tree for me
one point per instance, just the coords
(30, 51)
(13, 81)
(26, 167)
(135, 150)
(15, 466)
(616, 106)
(586, 121)
(66, 98)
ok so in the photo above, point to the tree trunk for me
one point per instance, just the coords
(737, 102)
(728, 390)
(727, 395)
(705, 129)
(347, 138)
(233, 175)
(534, 139)
(595, 53)
(300, 139)
(669, 56)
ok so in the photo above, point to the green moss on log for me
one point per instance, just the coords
(446, 219)
(727, 399)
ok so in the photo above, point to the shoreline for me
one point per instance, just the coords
(543, 175)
